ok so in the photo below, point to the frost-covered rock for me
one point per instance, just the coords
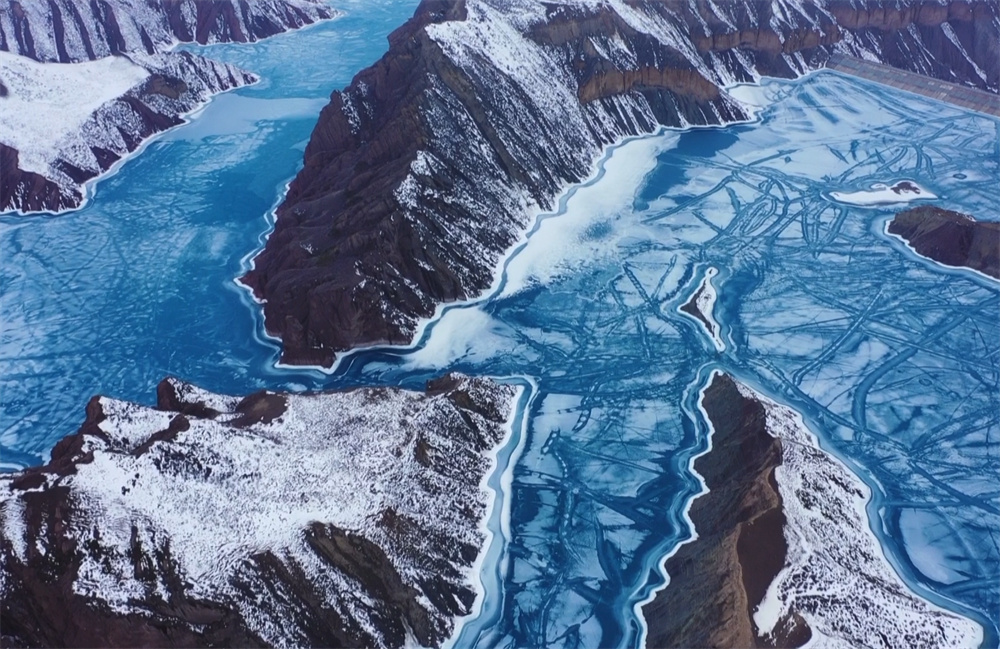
(423, 172)
(68, 122)
(783, 555)
(328, 519)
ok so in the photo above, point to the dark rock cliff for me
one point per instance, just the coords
(429, 166)
(718, 579)
(950, 238)
(331, 519)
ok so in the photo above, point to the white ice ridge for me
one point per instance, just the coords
(903, 191)
(704, 301)
(47, 102)
(836, 575)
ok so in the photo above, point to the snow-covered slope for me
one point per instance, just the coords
(422, 173)
(782, 554)
(38, 112)
(83, 84)
(836, 576)
(67, 123)
(329, 519)
(78, 30)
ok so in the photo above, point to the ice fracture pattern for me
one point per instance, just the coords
(891, 359)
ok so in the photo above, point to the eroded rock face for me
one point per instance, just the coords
(784, 554)
(718, 579)
(950, 238)
(426, 169)
(328, 519)
(78, 30)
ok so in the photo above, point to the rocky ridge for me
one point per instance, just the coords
(950, 238)
(68, 31)
(49, 175)
(326, 519)
(174, 84)
(784, 555)
(423, 172)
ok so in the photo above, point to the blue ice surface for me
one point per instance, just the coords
(891, 359)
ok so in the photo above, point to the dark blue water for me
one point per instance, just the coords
(890, 358)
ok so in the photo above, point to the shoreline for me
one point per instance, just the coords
(958, 270)
(497, 482)
(946, 242)
(88, 188)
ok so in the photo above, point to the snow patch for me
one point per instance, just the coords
(903, 191)
(48, 102)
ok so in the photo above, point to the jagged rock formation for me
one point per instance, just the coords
(45, 171)
(428, 167)
(950, 238)
(327, 519)
(717, 579)
(784, 553)
(68, 31)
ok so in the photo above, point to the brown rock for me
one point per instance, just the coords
(950, 238)
(718, 579)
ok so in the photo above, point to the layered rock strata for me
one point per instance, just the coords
(68, 31)
(326, 519)
(950, 238)
(44, 169)
(423, 172)
(783, 554)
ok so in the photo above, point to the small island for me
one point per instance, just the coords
(950, 238)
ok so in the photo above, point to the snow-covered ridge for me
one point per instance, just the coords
(836, 575)
(336, 519)
(68, 123)
(484, 111)
(86, 83)
(36, 111)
